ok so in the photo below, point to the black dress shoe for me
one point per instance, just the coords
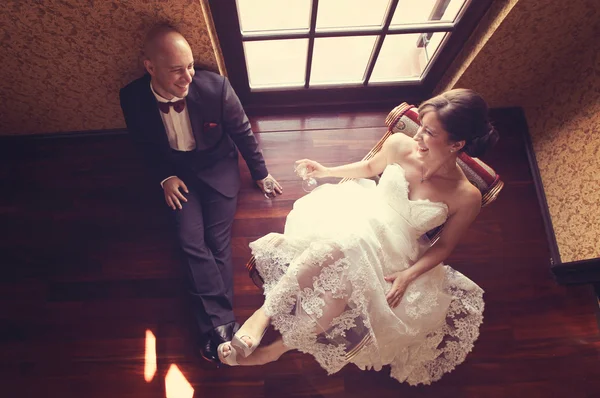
(208, 349)
(224, 333)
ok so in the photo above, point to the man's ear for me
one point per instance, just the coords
(149, 67)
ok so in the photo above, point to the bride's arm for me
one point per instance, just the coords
(454, 228)
(364, 168)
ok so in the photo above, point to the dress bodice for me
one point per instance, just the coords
(422, 214)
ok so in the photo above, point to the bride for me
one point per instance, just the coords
(349, 280)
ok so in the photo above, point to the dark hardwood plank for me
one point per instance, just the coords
(89, 263)
(286, 122)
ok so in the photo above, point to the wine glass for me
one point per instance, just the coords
(308, 183)
(269, 188)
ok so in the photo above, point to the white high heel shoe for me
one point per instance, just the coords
(230, 359)
(237, 343)
(247, 350)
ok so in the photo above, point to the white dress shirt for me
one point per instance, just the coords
(177, 126)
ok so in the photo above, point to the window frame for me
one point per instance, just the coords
(226, 22)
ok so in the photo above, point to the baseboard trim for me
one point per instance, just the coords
(565, 273)
(541, 195)
(325, 107)
(577, 272)
(251, 111)
(62, 135)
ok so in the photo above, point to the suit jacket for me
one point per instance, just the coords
(219, 124)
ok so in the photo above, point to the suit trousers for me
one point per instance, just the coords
(204, 230)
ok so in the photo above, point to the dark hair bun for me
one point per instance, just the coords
(480, 144)
(464, 115)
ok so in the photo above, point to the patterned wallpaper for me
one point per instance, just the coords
(543, 56)
(498, 11)
(63, 62)
(564, 121)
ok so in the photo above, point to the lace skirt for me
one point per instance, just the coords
(325, 292)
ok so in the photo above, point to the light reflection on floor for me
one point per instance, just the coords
(176, 385)
(150, 357)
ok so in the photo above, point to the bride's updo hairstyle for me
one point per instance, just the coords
(464, 115)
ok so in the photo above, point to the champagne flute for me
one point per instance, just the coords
(308, 183)
(269, 188)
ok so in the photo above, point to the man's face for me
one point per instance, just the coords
(171, 67)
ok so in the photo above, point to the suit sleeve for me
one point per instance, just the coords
(237, 125)
(156, 159)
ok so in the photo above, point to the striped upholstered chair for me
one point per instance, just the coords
(405, 119)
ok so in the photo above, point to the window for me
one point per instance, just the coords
(294, 51)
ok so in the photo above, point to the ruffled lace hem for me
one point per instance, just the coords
(304, 281)
(313, 298)
(442, 349)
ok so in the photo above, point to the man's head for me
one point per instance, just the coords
(169, 60)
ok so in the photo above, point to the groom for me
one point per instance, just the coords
(189, 125)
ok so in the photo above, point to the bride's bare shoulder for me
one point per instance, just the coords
(467, 195)
(399, 144)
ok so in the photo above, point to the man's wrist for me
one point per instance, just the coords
(262, 178)
(163, 181)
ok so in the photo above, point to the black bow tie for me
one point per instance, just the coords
(177, 105)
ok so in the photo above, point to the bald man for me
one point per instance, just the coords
(189, 125)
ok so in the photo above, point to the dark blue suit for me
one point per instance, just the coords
(211, 173)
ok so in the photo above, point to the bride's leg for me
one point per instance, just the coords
(251, 331)
(333, 308)
(333, 305)
(255, 326)
(306, 273)
(264, 355)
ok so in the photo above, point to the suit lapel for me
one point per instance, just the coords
(195, 109)
(154, 123)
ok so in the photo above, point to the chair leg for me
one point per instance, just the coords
(253, 273)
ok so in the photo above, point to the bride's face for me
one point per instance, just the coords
(432, 139)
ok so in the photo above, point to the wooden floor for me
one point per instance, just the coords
(89, 265)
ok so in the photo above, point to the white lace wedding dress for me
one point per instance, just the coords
(325, 287)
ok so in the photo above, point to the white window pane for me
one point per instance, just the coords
(419, 11)
(350, 13)
(452, 10)
(270, 15)
(401, 58)
(340, 59)
(276, 63)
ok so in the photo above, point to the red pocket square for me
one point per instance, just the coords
(209, 125)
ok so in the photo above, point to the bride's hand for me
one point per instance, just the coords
(400, 281)
(313, 169)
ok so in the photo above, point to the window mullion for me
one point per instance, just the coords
(388, 20)
(413, 28)
(311, 41)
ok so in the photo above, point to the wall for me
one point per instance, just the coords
(462, 66)
(63, 62)
(564, 121)
(543, 56)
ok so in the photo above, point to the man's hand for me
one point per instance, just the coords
(173, 195)
(270, 186)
